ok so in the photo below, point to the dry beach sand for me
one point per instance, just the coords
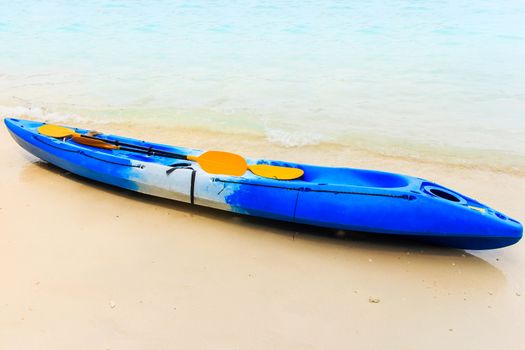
(88, 266)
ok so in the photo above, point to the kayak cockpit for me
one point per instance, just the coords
(353, 177)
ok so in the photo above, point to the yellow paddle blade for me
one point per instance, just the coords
(55, 131)
(93, 143)
(276, 172)
(218, 162)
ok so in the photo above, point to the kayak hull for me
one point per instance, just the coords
(339, 198)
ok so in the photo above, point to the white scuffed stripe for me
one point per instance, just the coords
(152, 179)
(212, 194)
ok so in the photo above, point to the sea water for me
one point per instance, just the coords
(400, 78)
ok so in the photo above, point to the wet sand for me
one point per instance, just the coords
(89, 266)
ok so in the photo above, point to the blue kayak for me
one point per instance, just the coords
(338, 198)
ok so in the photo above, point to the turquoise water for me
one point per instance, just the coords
(393, 76)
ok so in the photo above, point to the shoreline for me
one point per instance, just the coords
(250, 143)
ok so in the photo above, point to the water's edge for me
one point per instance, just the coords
(267, 144)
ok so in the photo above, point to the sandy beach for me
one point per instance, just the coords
(89, 266)
(432, 89)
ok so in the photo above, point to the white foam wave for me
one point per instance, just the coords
(293, 138)
(39, 113)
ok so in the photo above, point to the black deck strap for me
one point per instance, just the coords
(192, 188)
(193, 173)
(176, 166)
